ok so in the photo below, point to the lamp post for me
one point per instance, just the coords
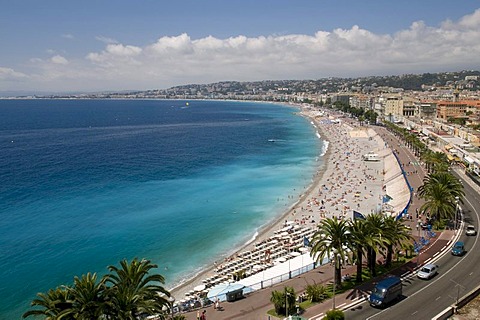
(456, 212)
(286, 302)
(334, 275)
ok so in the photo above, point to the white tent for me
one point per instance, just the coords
(220, 291)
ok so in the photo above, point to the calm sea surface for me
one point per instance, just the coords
(86, 183)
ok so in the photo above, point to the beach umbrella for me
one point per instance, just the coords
(200, 287)
(257, 267)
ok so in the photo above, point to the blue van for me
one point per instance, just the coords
(386, 291)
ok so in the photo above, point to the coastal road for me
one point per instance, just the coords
(457, 276)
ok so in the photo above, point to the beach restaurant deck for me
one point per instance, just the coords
(280, 257)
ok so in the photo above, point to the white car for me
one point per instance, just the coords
(470, 230)
(428, 271)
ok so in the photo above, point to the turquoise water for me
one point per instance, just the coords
(86, 183)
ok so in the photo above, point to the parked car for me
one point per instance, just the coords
(470, 230)
(458, 249)
(428, 271)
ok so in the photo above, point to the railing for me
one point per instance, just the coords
(196, 304)
(278, 279)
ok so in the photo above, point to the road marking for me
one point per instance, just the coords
(436, 254)
(414, 313)
(438, 298)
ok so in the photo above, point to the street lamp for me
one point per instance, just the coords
(335, 251)
(456, 212)
(286, 302)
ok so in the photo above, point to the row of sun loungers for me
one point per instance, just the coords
(283, 245)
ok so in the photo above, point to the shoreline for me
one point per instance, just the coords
(305, 203)
(343, 182)
(268, 229)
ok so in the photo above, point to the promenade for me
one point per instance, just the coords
(256, 304)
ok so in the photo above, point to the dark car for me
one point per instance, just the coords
(458, 249)
(385, 292)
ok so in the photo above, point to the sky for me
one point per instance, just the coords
(113, 45)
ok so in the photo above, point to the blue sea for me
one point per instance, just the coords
(87, 183)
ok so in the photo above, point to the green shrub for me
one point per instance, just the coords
(334, 315)
(315, 292)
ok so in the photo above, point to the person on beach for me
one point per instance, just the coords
(203, 316)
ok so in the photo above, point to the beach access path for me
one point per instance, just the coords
(255, 305)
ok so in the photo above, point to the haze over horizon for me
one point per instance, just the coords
(60, 46)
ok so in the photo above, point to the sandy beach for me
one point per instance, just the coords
(342, 183)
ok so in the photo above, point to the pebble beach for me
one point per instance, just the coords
(342, 184)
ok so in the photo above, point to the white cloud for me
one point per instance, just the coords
(8, 74)
(106, 39)
(58, 59)
(470, 21)
(68, 36)
(173, 60)
(115, 54)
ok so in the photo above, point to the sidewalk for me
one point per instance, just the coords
(255, 305)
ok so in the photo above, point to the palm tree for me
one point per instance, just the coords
(55, 303)
(440, 161)
(329, 240)
(396, 234)
(448, 180)
(358, 238)
(283, 300)
(376, 240)
(438, 204)
(133, 291)
(278, 300)
(440, 191)
(87, 296)
(429, 160)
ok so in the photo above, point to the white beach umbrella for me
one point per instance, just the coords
(199, 288)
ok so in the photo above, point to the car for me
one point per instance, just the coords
(428, 271)
(458, 249)
(385, 291)
(470, 230)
